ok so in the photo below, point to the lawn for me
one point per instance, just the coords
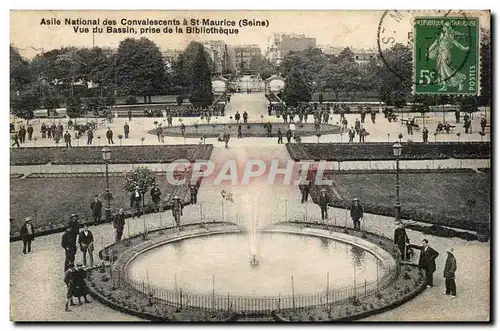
(460, 200)
(248, 130)
(53, 200)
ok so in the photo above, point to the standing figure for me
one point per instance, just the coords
(450, 266)
(30, 132)
(280, 136)
(68, 242)
(75, 226)
(457, 116)
(86, 241)
(483, 124)
(324, 200)
(427, 260)
(193, 190)
(80, 289)
(356, 213)
(226, 136)
(425, 135)
(129, 113)
(289, 135)
(126, 130)
(27, 233)
(156, 196)
(357, 126)
(245, 117)
(352, 134)
(119, 224)
(90, 136)
(135, 201)
(109, 136)
(237, 117)
(183, 129)
(401, 240)
(177, 211)
(96, 207)
(240, 134)
(67, 139)
(69, 280)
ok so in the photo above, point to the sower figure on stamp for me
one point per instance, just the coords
(324, 200)
(156, 196)
(119, 224)
(427, 260)
(86, 241)
(27, 233)
(401, 240)
(450, 267)
(356, 213)
(177, 211)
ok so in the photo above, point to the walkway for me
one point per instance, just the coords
(257, 204)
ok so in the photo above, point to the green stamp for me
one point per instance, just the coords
(446, 55)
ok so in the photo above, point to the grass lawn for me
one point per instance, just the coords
(248, 130)
(460, 200)
(55, 199)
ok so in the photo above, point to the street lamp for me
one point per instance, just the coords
(397, 149)
(106, 156)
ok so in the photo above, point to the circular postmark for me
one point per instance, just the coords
(398, 27)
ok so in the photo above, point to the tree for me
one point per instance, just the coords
(201, 84)
(20, 74)
(51, 103)
(74, 107)
(140, 68)
(395, 88)
(183, 66)
(143, 177)
(24, 104)
(296, 89)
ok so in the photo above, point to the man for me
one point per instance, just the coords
(126, 130)
(245, 117)
(129, 113)
(357, 126)
(483, 124)
(159, 132)
(75, 226)
(169, 120)
(226, 139)
(30, 132)
(289, 135)
(324, 200)
(68, 242)
(450, 266)
(22, 135)
(135, 201)
(373, 116)
(401, 240)
(67, 138)
(155, 196)
(269, 128)
(237, 117)
(363, 114)
(468, 125)
(280, 136)
(69, 279)
(27, 234)
(352, 134)
(119, 224)
(109, 136)
(177, 211)
(193, 189)
(90, 136)
(362, 134)
(15, 137)
(43, 130)
(425, 135)
(80, 289)
(183, 129)
(457, 116)
(356, 213)
(86, 241)
(427, 260)
(96, 207)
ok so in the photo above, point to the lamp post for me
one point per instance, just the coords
(106, 156)
(397, 148)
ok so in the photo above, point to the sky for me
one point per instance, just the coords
(356, 29)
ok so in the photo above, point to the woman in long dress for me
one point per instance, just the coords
(440, 50)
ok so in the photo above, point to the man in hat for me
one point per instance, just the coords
(75, 226)
(69, 279)
(86, 241)
(96, 207)
(324, 200)
(119, 224)
(356, 213)
(427, 260)
(401, 240)
(156, 196)
(68, 242)
(135, 201)
(27, 234)
(177, 211)
(450, 266)
(193, 190)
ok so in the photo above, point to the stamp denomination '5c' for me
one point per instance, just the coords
(446, 57)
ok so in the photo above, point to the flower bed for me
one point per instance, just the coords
(248, 130)
(448, 198)
(120, 154)
(383, 151)
(52, 200)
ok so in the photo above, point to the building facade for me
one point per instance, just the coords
(243, 54)
(281, 44)
(218, 52)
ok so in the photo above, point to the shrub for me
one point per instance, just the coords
(131, 100)
(179, 99)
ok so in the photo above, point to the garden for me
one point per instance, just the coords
(247, 130)
(459, 199)
(119, 155)
(383, 151)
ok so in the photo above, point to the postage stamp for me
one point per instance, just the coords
(446, 55)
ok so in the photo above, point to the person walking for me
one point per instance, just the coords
(15, 137)
(450, 267)
(126, 130)
(156, 196)
(86, 241)
(427, 260)
(324, 200)
(177, 211)
(27, 233)
(356, 214)
(280, 136)
(68, 242)
(96, 207)
(401, 240)
(119, 224)
(109, 136)
(135, 201)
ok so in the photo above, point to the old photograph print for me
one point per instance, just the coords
(250, 166)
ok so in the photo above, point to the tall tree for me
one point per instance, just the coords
(74, 107)
(140, 68)
(20, 75)
(296, 89)
(201, 84)
(24, 104)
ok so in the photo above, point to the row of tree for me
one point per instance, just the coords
(136, 68)
(311, 71)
